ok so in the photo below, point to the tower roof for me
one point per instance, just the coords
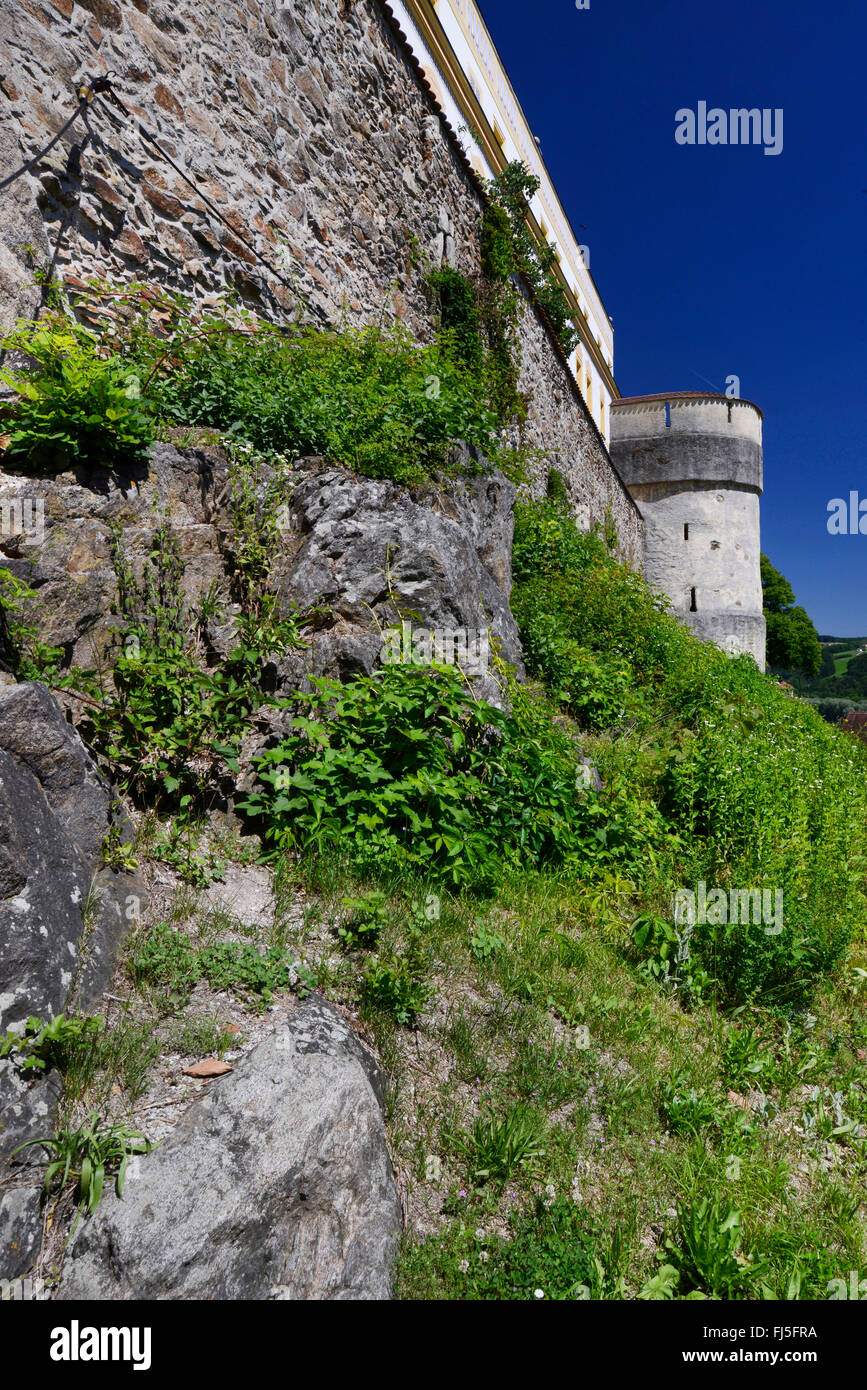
(686, 395)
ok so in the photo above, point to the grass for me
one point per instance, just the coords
(841, 662)
(557, 1119)
(549, 1070)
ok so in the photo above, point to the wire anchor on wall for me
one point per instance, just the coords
(103, 87)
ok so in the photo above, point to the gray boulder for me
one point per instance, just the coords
(34, 732)
(276, 1184)
(55, 809)
(373, 553)
(20, 1230)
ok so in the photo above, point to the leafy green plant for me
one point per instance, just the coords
(756, 789)
(370, 398)
(364, 920)
(748, 1059)
(686, 1109)
(707, 1250)
(246, 972)
(666, 956)
(460, 326)
(76, 405)
(405, 768)
(479, 328)
(89, 1154)
(42, 1046)
(396, 989)
(552, 1252)
(21, 648)
(168, 960)
(484, 944)
(498, 1148)
(170, 726)
(200, 1035)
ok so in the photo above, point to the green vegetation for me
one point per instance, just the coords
(41, 1046)
(21, 648)
(370, 399)
(759, 792)
(167, 960)
(792, 640)
(589, 1095)
(171, 724)
(87, 1155)
(78, 404)
(511, 191)
(406, 770)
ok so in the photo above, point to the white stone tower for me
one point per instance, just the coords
(693, 463)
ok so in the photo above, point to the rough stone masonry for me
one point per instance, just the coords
(311, 128)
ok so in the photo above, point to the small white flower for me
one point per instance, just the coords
(464, 1266)
(538, 1293)
(479, 1233)
(483, 1256)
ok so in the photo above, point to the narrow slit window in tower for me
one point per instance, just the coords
(686, 530)
(692, 605)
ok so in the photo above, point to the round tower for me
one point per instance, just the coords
(693, 463)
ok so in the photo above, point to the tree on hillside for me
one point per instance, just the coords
(793, 642)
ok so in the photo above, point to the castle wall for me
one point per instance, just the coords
(697, 481)
(310, 126)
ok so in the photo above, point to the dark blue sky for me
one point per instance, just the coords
(719, 260)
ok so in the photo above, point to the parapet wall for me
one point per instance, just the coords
(311, 128)
(707, 439)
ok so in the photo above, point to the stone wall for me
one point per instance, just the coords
(311, 128)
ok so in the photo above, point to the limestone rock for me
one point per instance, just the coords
(66, 557)
(276, 1184)
(372, 552)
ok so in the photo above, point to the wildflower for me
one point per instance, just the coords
(463, 1192)
(479, 1233)
(483, 1256)
(464, 1266)
(538, 1293)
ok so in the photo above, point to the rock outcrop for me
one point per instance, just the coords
(361, 551)
(61, 917)
(276, 1184)
(373, 553)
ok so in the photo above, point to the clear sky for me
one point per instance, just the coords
(722, 260)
